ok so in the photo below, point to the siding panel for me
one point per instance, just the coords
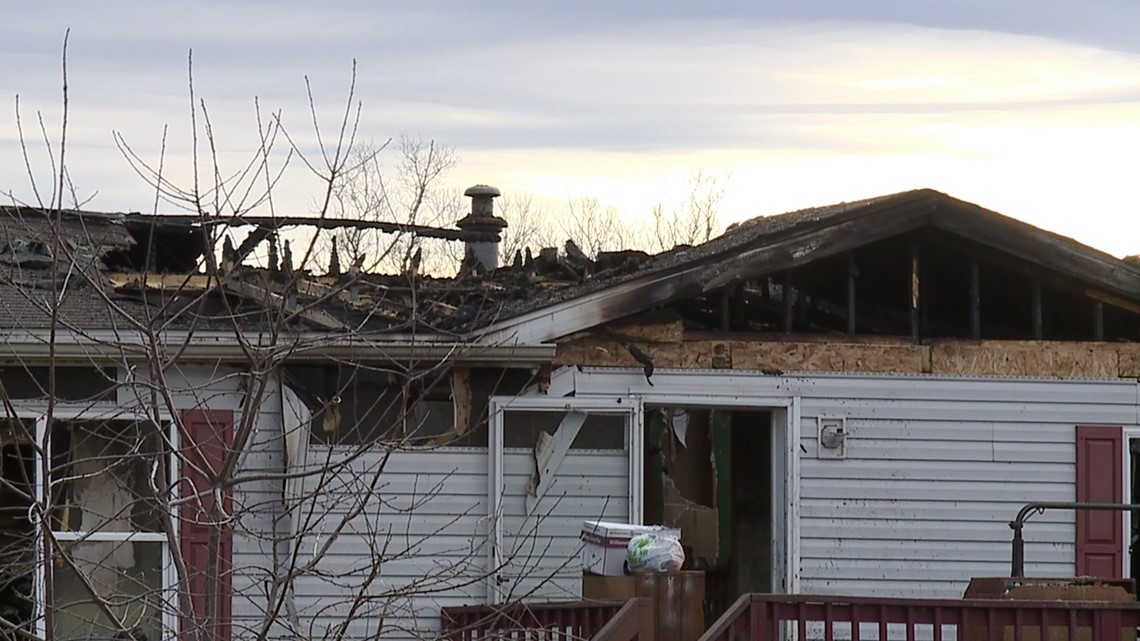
(417, 544)
(935, 469)
(541, 550)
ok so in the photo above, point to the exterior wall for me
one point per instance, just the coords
(935, 468)
(934, 471)
(259, 503)
(416, 517)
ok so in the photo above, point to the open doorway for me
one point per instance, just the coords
(711, 472)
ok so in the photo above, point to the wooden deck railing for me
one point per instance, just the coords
(762, 617)
(630, 620)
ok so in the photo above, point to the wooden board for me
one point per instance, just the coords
(1025, 358)
(1051, 359)
(831, 357)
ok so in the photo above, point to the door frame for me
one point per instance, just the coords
(785, 490)
(498, 406)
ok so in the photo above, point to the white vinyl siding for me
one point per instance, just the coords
(935, 469)
(421, 525)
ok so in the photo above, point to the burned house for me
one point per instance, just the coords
(852, 399)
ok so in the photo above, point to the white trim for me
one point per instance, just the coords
(127, 345)
(97, 536)
(636, 426)
(42, 445)
(1128, 434)
(495, 499)
(71, 411)
(792, 497)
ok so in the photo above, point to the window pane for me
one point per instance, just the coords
(102, 474)
(599, 431)
(94, 580)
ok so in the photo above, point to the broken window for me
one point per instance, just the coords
(107, 567)
(360, 405)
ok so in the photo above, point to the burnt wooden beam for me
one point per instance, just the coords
(914, 290)
(1098, 321)
(1038, 322)
(852, 273)
(788, 309)
(975, 300)
(738, 310)
(1044, 249)
(726, 308)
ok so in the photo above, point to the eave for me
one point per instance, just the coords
(310, 347)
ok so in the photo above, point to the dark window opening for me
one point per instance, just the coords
(21, 382)
(17, 533)
(362, 405)
(521, 429)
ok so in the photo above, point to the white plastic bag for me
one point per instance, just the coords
(654, 552)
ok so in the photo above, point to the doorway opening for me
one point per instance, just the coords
(712, 473)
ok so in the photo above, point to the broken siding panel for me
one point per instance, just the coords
(434, 555)
(541, 550)
(935, 468)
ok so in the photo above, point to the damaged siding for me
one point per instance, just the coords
(425, 521)
(934, 470)
(541, 551)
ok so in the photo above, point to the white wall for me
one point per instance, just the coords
(934, 471)
(390, 538)
(936, 467)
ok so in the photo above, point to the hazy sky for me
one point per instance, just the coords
(1029, 108)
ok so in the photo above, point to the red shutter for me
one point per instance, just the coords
(1100, 479)
(206, 437)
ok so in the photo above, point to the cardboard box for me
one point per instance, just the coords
(604, 544)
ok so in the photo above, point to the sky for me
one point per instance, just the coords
(1029, 108)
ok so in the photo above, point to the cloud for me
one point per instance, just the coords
(805, 102)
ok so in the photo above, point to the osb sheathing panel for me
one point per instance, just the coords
(1026, 358)
(961, 358)
(669, 332)
(1129, 355)
(597, 352)
(830, 357)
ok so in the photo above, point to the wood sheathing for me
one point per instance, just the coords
(667, 345)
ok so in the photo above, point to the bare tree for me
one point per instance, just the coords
(410, 189)
(694, 221)
(174, 437)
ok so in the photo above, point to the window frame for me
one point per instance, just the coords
(72, 412)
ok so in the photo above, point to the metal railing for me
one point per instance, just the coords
(765, 617)
(1017, 560)
(629, 620)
